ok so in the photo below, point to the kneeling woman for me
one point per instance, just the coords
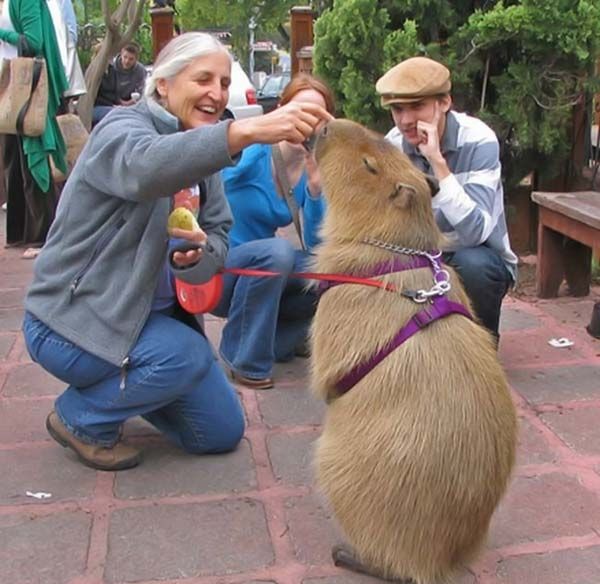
(268, 318)
(101, 314)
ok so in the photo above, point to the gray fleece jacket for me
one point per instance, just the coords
(95, 278)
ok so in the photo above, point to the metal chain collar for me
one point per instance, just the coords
(441, 277)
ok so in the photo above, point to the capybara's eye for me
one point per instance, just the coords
(370, 166)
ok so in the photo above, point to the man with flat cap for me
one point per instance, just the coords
(463, 154)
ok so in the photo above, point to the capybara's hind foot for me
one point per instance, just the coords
(345, 557)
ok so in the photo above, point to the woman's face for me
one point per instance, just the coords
(198, 94)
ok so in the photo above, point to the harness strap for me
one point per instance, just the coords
(439, 308)
(394, 265)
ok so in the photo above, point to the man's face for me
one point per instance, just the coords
(406, 116)
(128, 60)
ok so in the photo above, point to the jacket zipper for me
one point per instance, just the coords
(100, 245)
(124, 369)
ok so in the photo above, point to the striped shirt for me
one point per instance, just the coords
(469, 207)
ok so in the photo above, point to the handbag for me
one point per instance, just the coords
(75, 136)
(23, 93)
(283, 184)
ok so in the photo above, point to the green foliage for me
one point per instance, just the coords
(234, 15)
(521, 65)
(347, 53)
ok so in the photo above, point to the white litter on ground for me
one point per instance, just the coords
(560, 343)
(38, 495)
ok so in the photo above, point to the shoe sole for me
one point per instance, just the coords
(260, 384)
(96, 466)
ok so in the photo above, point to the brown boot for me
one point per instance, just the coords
(119, 457)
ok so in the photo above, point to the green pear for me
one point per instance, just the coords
(182, 218)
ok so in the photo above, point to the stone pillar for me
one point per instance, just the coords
(162, 28)
(302, 33)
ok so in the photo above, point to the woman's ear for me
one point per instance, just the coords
(162, 87)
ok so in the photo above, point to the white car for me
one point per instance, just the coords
(242, 94)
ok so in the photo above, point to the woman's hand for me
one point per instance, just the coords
(294, 122)
(193, 256)
(313, 176)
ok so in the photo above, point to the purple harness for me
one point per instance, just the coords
(439, 307)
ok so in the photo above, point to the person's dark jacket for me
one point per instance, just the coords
(107, 93)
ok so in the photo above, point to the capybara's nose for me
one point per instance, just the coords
(324, 130)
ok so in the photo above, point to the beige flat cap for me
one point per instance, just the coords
(412, 80)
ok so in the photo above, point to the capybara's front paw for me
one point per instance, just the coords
(345, 557)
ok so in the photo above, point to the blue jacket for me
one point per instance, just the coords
(257, 208)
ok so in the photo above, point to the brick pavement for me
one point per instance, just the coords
(253, 517)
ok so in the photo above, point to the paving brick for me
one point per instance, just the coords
(6, 343)
(31, 380)
(544, 507)
(291, 457)
(159, 542)
(11, 298)
(513, 319)
(347, 577)
(312, 529)
(15, 280)
(577, 428)
(290, 406)
(44, 469)
(577, 566)
(557, 384)
(168, 471)
(527, 348)
(43, 550)
(533, 447)
(11, 319)
(23, 420)
(574, 312)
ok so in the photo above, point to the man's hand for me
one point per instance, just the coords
(193, 256)
(294, 122)
(430, 143)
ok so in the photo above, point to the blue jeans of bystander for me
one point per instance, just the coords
(486, 280)
(266, 317)
(173, 381)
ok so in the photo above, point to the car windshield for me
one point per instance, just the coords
(273, 85)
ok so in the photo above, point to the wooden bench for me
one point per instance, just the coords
(568, 230)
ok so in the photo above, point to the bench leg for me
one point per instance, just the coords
(578, 267)
(550, 267)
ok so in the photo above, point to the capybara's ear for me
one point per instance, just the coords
(371, 164)
(434, 184)
(402, 195)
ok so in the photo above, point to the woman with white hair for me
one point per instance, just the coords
(101, 313)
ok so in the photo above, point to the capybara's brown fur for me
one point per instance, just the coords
(416, 456)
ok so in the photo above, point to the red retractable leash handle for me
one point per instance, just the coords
(202, 298)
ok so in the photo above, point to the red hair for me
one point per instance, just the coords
(303, 81)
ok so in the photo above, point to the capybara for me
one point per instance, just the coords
(415, 457)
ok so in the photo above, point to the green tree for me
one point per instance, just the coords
(521, 65)
(235, 15)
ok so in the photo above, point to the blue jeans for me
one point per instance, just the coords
(486, 280)
(266, 317)
(99, 112)
(173, 381)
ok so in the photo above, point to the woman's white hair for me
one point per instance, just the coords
(178, 54)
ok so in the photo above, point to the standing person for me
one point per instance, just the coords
(122, 83)
(268, 318)
(101, 312)
(463, 154)
(31, 195)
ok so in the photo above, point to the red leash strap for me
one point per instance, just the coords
(314, 276)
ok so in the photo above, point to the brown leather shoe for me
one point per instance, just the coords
(119, 457)
(249, 382)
